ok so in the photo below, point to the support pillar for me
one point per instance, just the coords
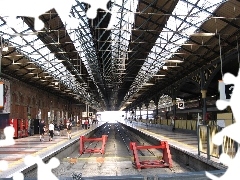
(140, 113)
(174, 102)
(135, 114)
(204, 105)
(204, 95)
(147, 110)
(156, 100)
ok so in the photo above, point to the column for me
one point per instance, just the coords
(156, 104)
(204, 105)
(147, 104)
(140, 113)
(204, 95)
(135, 115)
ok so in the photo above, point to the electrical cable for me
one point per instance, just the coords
(220, 54)
(238, 53)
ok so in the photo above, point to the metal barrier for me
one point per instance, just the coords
(205, 133)
(83, 139)
(166, 160)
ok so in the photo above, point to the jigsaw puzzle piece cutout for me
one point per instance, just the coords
(234, 128)
(44, 171)
(231, 131)
(229, 78)
(233, 169)
(6, 9)
(18, 176)
(3, 165)
(225, 159)
(9, 134)
(94, 6)
(221, 104)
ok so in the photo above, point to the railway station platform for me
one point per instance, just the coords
(31, 145)
(186, 143)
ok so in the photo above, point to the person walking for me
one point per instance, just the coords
(69, 128)
(42, 128)
(51, 130)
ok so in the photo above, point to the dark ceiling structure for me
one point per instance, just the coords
(151, 45)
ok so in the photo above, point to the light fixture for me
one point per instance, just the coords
(202, 34)
(165, 67)
(148, 84)
(159, 75)
(15, 62)
(36, 76)
(174, 60)
(5, 49)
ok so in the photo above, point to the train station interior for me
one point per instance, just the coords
(142, 83)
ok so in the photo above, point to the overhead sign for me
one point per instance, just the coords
(90, 114)
(225, 90)
(181, 105)
(84, 114)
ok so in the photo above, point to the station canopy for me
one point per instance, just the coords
(124, 56)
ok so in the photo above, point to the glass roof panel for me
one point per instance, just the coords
(195, 15)
(41, 55)
(123, 11)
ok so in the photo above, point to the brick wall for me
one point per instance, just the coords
(27, 100)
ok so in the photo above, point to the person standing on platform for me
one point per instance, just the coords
(83, 122)
(86, 123)
(51, 130)
(69, 128)
(90, 121)
(61, 128)
(42, 127)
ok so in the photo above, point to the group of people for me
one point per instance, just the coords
(43, 129)
(86, 123)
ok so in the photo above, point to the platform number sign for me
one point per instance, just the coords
(225, 90)
(181, 105)
(228, 90)
(90, 114)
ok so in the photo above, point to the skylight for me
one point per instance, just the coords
(121, 32)
(35, 49)
(174, 34)
(86, 48)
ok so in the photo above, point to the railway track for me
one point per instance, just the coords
(116, 161)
